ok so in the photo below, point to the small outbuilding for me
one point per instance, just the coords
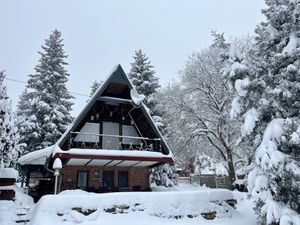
(8, 177)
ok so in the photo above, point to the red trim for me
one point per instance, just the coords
(129, 158)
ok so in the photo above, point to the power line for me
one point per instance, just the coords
(23, 82)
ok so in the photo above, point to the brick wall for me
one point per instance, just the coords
(136, 176)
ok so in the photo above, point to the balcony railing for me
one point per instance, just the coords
(113, 142)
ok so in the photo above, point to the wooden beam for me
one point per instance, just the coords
(105, 157)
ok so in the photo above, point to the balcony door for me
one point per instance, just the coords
(110, 128)
(88, 133)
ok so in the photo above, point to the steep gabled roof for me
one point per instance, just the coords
(116, 76)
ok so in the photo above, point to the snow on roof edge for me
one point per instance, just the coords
(31, 156)
(107, 152)
(9, 173)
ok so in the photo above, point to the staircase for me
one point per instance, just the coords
(22, 215)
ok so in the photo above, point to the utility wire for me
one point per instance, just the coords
(23, 82)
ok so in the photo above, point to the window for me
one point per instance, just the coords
(128, 130)
(108, 178)
(109, 142)
(82, 179)
(123, 179)
(89, 133)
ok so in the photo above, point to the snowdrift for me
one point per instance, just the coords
(79, 206)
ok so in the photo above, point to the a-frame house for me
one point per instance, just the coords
(109, 147)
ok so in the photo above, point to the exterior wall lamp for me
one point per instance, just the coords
(57, 165)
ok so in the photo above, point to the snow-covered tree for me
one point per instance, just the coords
(143, 77)
(197, 111)
(96, 84)
(46, 112)
(164, 175)
(204, 164)
(27, 123)
(10, 149)
(267, 99)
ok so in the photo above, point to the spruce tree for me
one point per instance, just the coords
(143, 77)
(47, 112)
(96, 84)
(10, 149)
(267, 98)
(27, 123)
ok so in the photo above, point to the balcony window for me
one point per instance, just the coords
(128, 130)
(111, 128)
(87, 132)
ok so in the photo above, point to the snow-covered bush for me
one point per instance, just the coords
(164, 175)
(204, 164)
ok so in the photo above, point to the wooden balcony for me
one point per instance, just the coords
(113, 142)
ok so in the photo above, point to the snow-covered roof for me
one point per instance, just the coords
(104, 157)
(37, 157)
(117, 75)
(9, 173)
(104, 152)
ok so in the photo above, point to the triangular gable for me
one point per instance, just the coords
(117, 76)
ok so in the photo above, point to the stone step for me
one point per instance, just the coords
(22, 222)
(21, 211)
(22, 217)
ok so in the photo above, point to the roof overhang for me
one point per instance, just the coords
(119, 158)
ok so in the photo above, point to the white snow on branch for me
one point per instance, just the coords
(235, 107)
(240, 86)
(250, 119)
(294, 42)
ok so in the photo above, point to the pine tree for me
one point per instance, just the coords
(143, 78)
(146, 83)
(27, 123)
(94, 87)
(10, 149)
(267, 98)
(47, 111)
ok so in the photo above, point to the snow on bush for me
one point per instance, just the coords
(206, 165)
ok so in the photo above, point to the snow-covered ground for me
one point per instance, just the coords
(9, 210)
(181, 205)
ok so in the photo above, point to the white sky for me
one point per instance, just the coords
(100, 34)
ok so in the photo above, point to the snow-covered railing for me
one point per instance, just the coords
(113, 142)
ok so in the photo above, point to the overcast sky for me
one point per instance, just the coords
(100, 34)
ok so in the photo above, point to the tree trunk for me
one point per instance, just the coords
(231, 171)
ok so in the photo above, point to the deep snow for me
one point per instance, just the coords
(145, 208)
